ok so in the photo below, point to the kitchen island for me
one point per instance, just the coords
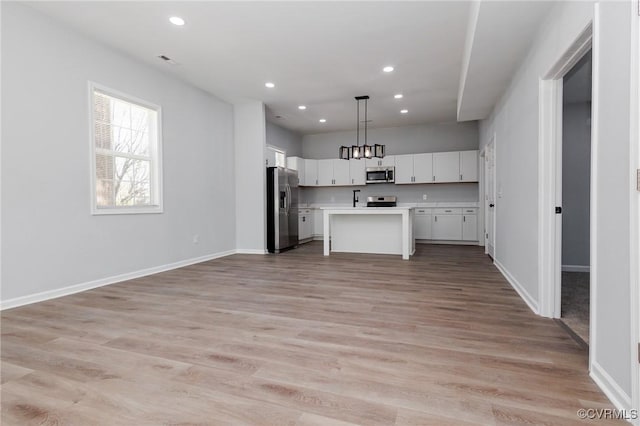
(378, 230)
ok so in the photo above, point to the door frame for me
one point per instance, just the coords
(485, 200)
(550, 177)
(481, 200)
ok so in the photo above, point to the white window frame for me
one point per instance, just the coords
(155, 154)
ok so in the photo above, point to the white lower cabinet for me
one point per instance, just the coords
(447, 224)
(318, 224)
(422, 224)
(470, 225)
(305, 224)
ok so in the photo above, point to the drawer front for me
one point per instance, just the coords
(421, 211)
(446, 211)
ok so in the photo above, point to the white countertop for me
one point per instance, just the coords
(368, 210)
(436, 204)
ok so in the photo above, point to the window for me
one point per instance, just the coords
(126, 148)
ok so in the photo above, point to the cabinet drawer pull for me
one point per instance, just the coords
(447, 211)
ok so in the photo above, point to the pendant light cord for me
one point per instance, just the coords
(358, 124)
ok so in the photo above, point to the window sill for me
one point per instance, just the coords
(126, 210)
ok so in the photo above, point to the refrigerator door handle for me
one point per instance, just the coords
(288, 198)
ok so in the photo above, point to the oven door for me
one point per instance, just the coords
(377, 175)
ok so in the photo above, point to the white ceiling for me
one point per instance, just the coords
(320, 54)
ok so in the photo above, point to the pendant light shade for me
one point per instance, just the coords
(356, 152)
(345, 152)
(365, 150)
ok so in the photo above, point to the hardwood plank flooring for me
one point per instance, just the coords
(296, 339)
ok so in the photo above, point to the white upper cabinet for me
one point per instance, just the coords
(356, 172)
(333, 172)
(387, 161)
(446, 167)
(469, 166)
(310, 172)
(404, 168)
(414, 168)
(298, 164)
(422, 168)
(341, 175)
(325, 172)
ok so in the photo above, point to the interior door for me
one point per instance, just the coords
(490, 199)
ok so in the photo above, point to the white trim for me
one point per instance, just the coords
(250, 251)
(524, 294)
(618, 397)
(156, 172)
(550, 173)
(77, 288)
(593, 230)
(576, 268)
(634, 158)
(549, 237)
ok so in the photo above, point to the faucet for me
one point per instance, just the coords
(355, 197)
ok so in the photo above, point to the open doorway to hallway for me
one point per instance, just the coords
(575, 177)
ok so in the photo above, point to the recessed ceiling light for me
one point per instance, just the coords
(302, 107)
(176, 20)
(388, 68)
(404, 111)
(269, 84)
(398, 96)
(323, 120)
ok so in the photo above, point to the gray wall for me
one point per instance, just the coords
(249, 134)
(576, 175)
(49, 238)
(398, 140)
(285, 139)
(514, 122)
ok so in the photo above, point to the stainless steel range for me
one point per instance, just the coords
(382, 201)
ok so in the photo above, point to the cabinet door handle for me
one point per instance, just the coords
(434, 178)
(435, 218)
(352, 181)
(464, 218)
(460, 177)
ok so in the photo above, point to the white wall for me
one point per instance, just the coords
(50, 240)
(515, 124)
(249, 133)
(576, 175)
(398, 140)
(285, 139)
(612, 251)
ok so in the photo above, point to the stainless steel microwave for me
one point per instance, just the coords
(380, 174)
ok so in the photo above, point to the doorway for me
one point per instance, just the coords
(574, 157)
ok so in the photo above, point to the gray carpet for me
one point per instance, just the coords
(575, 302)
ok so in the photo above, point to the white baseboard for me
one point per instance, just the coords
(448, 242)
(576, 268)
(77, 288)
(524, 294)
(250, 251)
(618, 397)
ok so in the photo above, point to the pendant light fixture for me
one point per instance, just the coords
(358, 151)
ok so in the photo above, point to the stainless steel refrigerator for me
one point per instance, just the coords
(282, 209)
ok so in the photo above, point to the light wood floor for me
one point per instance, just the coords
(296, 339)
